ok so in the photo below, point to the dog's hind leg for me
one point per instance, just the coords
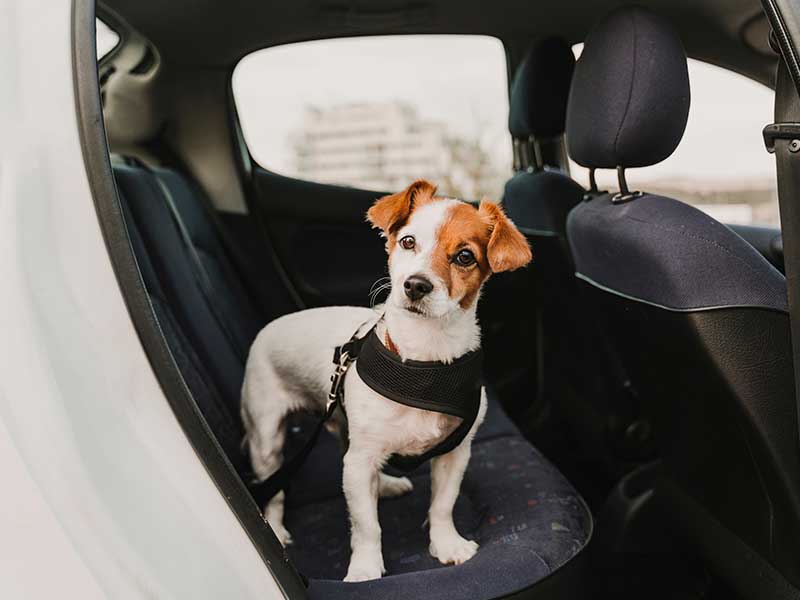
(265, 407)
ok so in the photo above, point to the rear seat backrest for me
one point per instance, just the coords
(212, 351)
(226, 425)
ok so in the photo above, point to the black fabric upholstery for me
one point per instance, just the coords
(718, 383)
(229, 292)
(540, 89)
(540, 201)
(668, 253)
(529, 519)
(173, 264)
(227, 425)
(629, 100)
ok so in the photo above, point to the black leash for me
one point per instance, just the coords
(343, 356)
(453, 388)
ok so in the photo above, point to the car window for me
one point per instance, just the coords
(721, 165)
(379, 112)
(107, 39)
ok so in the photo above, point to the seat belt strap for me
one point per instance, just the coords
(787, 161)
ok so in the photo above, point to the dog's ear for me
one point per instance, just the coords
(507, 249)
(391, 212)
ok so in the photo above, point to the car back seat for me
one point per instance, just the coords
(528, 518)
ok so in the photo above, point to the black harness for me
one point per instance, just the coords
(450, 388)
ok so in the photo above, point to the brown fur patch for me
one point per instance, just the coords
(463, 229)
(507, 249)
(391, 212)
(491, 237)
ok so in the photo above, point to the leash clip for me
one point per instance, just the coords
(337, 379)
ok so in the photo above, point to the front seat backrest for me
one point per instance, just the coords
(697, 314)
(538, 198)
(546, 314)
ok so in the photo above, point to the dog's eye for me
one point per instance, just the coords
(465, 258)
(408, 242)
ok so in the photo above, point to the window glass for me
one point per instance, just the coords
(721, 165)
(379, 112)
(107, 39)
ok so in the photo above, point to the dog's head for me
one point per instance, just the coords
(442, 250)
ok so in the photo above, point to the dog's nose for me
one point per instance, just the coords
(417, 286)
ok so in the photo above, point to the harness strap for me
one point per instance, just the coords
(343, 356)
(452, 389)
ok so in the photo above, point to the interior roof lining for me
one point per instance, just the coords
(713, 30)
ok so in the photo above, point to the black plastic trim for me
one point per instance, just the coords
(109, 213)
(776, 10)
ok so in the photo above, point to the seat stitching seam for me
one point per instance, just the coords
(630, 89)
(682, 233)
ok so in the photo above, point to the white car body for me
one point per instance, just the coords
(103, 495)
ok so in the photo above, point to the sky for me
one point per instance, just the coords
(461, 81)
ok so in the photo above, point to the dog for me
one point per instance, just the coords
(440, 251)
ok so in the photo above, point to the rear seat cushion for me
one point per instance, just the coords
(527, 518)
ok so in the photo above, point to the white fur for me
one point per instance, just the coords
(289, 369)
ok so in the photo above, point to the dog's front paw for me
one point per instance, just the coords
(452, 549)
(365, 567)
(389, 487)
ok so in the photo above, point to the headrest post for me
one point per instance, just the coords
(517, 159)
(593, 181)
(623, 184)
(624, 193)
(524, 156)
(535, 152)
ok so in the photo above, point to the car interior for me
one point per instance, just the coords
(641, 438)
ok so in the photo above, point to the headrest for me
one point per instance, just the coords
(540, 89)
(630, 93)
(133, 104)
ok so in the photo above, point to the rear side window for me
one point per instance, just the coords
(379, 112)
(721, 165)
(107, 39)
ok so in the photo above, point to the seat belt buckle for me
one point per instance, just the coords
(782, 131)
(337, 379)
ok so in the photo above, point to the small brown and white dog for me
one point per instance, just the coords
(440, 252)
